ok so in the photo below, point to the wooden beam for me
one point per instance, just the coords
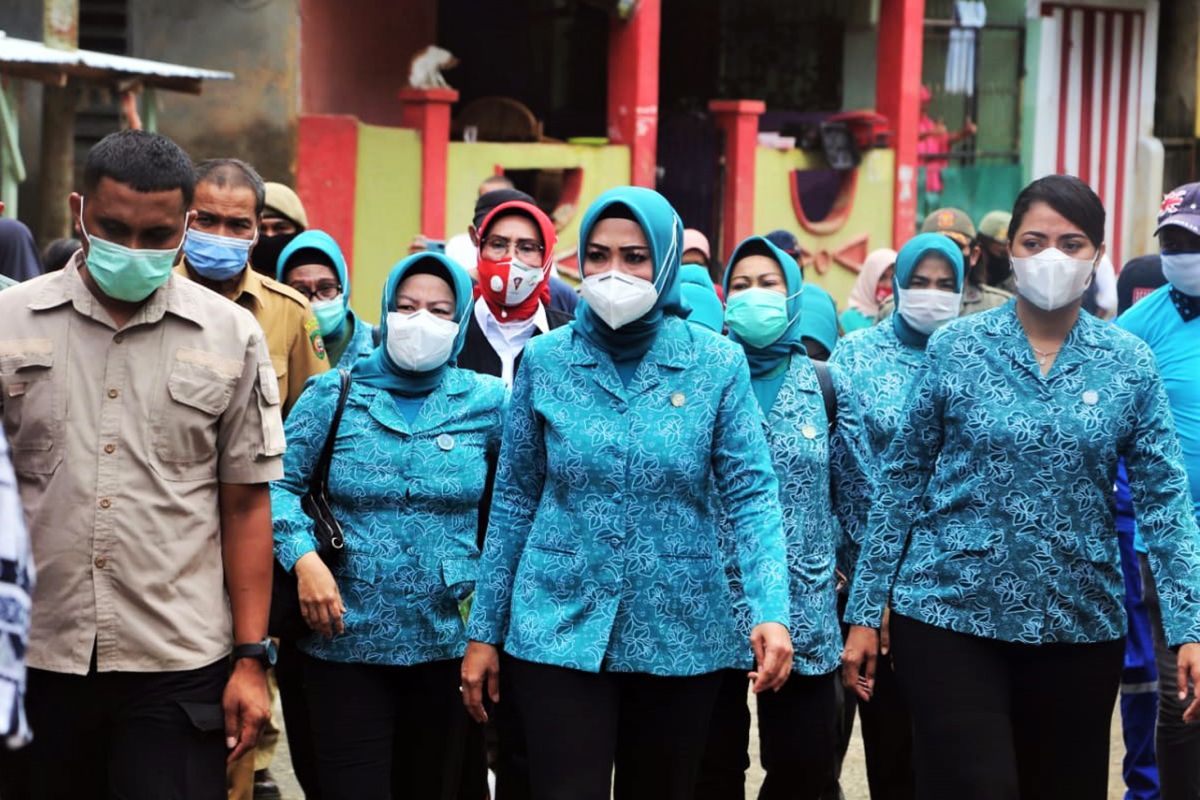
(50, 74)
(60, 29)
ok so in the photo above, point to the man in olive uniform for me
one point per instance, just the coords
(283, 219)
(977, 294)
(228, 208)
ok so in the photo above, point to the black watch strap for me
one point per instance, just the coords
(263, 652)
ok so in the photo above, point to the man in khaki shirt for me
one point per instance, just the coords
(229, 203)
(143, 417)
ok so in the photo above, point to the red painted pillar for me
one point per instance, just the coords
(326, 175)
(428, 111)
(738, 120)
(633, 89)
(898, 97)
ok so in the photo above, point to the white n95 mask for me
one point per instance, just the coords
(1052, 279)
(617, 298)
(420, 342)
(928, 309)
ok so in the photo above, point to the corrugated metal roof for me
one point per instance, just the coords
(88, 63)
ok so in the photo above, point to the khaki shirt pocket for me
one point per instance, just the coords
(199, 388)
(273, 441)
(26, 379)
(280, 365)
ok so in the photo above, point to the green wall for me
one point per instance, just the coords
(870, 212)
(469, 163)
(387, 206)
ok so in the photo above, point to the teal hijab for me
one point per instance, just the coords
(378, 369)
(700, 300)
(767, 359)
(818, 316)
(323, 243)
(664, 232)
(768, 365)
(912, 254)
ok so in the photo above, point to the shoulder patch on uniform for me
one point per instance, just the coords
(283, 289)
(314, 337)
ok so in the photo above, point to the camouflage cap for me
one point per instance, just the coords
(954, 222)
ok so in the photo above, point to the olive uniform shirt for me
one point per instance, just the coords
(119, 439)
(974, 299)
(293, 336)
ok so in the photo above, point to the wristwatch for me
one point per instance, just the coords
(263, 652)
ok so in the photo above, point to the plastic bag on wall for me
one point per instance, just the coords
(960, 59)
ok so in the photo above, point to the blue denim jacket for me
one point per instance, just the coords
(602, 549)
(994, 515)
(407, 497)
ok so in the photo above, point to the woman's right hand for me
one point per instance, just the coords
(320, 601)
(480, 664)
(858, 661)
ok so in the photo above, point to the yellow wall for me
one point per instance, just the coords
(871, 212)
(469, 163)
(387, 209)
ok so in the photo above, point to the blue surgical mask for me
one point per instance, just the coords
(1182, 270)
(126, 274)
(330, 314)
(758, 316)
(217, 258)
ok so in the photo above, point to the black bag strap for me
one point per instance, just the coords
(318, 485)
(828, 393)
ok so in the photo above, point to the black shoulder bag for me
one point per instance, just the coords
(828, 393)
(286, 621)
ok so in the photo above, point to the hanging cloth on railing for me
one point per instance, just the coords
(970, 15)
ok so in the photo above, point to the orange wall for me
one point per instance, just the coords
(355, 55)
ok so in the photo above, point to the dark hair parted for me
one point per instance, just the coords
(147, 162)
(233, 172)
(1067, 195)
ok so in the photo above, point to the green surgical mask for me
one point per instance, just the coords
(126, 274)
(330, 314)
(758, 316)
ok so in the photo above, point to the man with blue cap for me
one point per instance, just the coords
(1168, 320)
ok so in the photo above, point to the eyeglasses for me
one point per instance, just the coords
(324, 291)
(497, 247)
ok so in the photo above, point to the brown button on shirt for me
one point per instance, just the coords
(119, 441)
(293, 336)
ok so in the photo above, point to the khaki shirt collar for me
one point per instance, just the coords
(67, 286)
(250, 284)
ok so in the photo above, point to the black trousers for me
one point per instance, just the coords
(125, 735)
(996, 720)
(887, 737)
(798, 741)
(289, 677)
(1176, 743)
(386, 732)
(512, 757)
(578, 725)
